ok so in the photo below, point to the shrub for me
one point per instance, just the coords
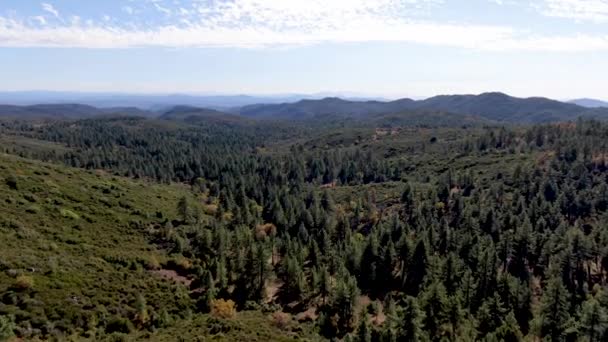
(33, 209)
(210, 209)
(264, 230)
(162, 320)
(24, 282)
(119, 325)
(223, 308)
(12, 183)
(12, 224)
(30, 198)
(7, 327)
(281, 319)
(69, 214)
(183, 264)
(152, 263)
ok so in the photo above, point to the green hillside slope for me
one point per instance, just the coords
(76, 260)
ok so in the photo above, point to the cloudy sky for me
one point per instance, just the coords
(392, 48)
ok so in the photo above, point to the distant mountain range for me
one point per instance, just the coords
(151, 101)
(67, 111)
(486, 108)
(590, 103)
(497, 107)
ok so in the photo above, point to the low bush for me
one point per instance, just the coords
(23, 282)
(12, 182)
(221, 308)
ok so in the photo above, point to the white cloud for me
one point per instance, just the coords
(263, 23)
(49, 8)
(582, 10)
(162, 9)
(40, 19)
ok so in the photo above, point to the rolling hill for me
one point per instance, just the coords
(504, 108)
(68, 111)
(195, 115)
(491, 106)
(305, 109)
(590, 103)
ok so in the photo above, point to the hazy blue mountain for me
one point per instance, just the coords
(497, 107)
(590, 103)
(491, 106)
(332, 105)
(505, 108)
(157, 102)
(67, 111)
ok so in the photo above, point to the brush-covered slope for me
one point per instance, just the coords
(77, 262)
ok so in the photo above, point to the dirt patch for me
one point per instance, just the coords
(309, 315)
(173, 276)
(544, 158)
(272, 289)
(364, 301)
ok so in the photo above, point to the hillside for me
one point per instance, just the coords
(478, 109)
(503, 108)
(491, 106)
(195, 115)
(590, 103)
(306, 109)
(336, 229)
(78, 259)
(424, 117)
(67, 111)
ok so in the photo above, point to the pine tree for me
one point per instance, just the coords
(490, 315)
(411, 327)
(554, 310)
(364, 333)
(435, 307)
(418, 270)
(210, 292)
(369, 265)
(183, 209)
(509, 331)
(594, 320)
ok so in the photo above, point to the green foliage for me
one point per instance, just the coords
(554, 310)
(594, 319)
(487, 233)
(7, 327)
(12, 182)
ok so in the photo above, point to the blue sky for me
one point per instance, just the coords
(391, 48)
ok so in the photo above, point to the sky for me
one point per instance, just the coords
(388, 48)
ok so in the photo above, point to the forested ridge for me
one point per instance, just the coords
(411, 232)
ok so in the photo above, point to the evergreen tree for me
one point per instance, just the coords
(412, 322)
(594, 319)
(417, 272)
(554, 310)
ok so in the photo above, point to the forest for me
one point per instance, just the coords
(128, 228)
